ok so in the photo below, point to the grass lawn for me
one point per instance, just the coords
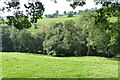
(19, 65)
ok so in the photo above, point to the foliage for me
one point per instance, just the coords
(20, 20)
(25, 42)
(35, 10)
(63, 39)
(70, 14)
(7, 44)
(101, 37)
(53, 40)
(38, 42)
(22, 41)
(65, 12)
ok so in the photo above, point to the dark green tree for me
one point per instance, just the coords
(7, 44)
(70, 14)
(57, 12)
(65, 12)
(64, 39)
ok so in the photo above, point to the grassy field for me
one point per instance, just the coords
(19, 65)
(50, 21)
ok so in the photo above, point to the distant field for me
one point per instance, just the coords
(19, 65)
(50, 21)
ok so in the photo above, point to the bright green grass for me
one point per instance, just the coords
(0, 65)
(18, 65)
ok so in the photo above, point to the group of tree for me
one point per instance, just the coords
(94, 33)
(54, 15)
(22, 18)
(67, 39)
(23, 41)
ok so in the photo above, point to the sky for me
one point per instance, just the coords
(61, 6)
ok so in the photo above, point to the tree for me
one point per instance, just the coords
(38, 42)
(102, 37)
(53, 40)
(74, 13)
(2, 21)
(46, 15)
(64, 39)
(7, 44)
(20, 20)
(86, 10)
(57, 12)
(80, 11)
(70, 14)
(86, 23)
(65, 12)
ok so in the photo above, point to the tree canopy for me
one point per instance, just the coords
(23, 19)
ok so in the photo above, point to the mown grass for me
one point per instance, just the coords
(24, 65)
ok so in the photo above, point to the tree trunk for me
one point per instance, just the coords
(88, 52)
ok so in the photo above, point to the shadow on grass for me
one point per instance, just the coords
(60, 79)
(115, 58)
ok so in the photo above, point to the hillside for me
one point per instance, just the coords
(50, 21)
(19, 65)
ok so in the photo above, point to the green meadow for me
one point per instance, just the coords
(48, 22)
(24, 65)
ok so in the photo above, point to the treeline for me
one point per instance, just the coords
(85, 38)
